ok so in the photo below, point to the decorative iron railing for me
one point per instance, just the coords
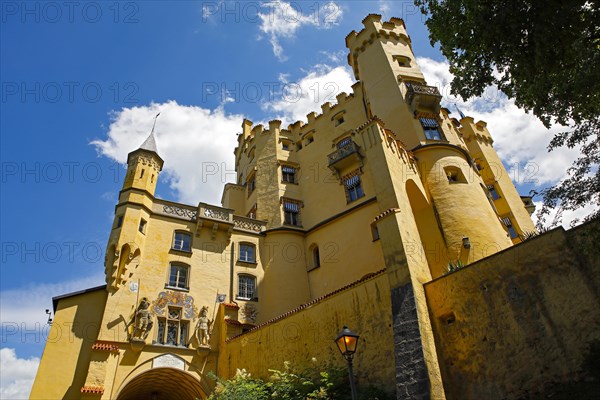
(342, 152)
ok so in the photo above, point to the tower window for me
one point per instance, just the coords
(247, 252)
(142, 226)
(252, 212)
(291, 211)
(119, 221)
(353, 188)
(182, 241)
(310, 139)
(454, 175)
(403, 61)
(288, 174)
(431, 128)
(493, 191)
(178, 276)
(344, 142)
(316, 257)
(246, 287)
(511, 229)
(142, 173)
(251, 183)
(172, 330)
(285, 145)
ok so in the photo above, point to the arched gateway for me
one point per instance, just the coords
(162, 384)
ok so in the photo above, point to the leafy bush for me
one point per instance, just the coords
(292, 385)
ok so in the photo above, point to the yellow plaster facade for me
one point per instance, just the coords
(338, 220)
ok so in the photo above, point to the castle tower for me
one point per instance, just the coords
(132, 213)
(396, 91)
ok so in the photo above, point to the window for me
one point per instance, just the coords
(374, 231)
(454, 174)
(142, 173)
(288, 174)
(251, 183)
(291, 210)
(310, 139)
(142, 227)
(182, 241)
(252, 212)
(353, 188)
(510, 227)
(493, 192)
(172, 330)
(431, 128)
(316, 257)
(178, 276)
(403, 61)
(339, 120)
(119, 221)
(344, 142)
(247, 252)
(285, 145)
(298, 146)
(246, 287)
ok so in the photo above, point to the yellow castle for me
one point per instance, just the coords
(351, 218)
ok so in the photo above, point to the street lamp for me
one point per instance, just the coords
(347, 341)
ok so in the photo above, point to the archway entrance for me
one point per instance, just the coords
(162, 384)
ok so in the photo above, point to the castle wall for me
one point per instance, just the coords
(64, 365)
(300, 336)
(511, 323)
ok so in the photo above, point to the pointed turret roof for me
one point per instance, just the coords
(150, 144)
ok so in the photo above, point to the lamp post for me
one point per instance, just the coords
(347, 341)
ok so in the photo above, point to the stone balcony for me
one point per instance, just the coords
(344, 157)
(209, 216)
(422, 97)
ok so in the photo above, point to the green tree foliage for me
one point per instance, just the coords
(543, 53)
(291, 385)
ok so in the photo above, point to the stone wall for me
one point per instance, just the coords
(299, 336)
(512, 324)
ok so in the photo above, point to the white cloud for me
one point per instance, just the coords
(520, 139)
(319, 85)
(281, 20)
(196, 143)
(25, 306)
(16, 374)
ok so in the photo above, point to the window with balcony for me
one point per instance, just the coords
(247, 253)
(288, 174)
(353, 187)
(291, 212)
(246, 287)
(172, 329)
(178, 276)
(182, 241)
(431, 128)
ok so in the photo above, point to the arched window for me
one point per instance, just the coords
(179, 275)
(247, 252)
(182, 241)
(246, 287)
(316, 257)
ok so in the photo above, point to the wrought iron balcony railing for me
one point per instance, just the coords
(342, 152)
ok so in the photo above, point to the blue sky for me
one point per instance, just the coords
(81, 83)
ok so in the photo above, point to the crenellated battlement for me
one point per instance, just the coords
(357, 42)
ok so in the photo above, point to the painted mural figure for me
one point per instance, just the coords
(203, 328)
(142, 320)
